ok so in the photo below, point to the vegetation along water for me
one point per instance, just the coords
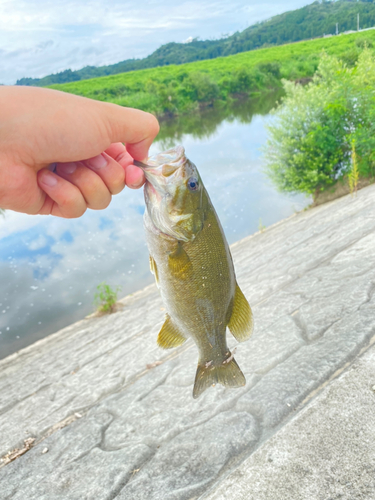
(324, 132)
(311, 142)
(188, 87)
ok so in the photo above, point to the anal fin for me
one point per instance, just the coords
(241, 323)
(169, 335)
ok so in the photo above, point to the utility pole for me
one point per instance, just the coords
(357, 22)
(337, 28)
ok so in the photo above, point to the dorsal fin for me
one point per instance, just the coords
(169, 335)
(241, 323)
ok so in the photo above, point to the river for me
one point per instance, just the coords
(50, 267)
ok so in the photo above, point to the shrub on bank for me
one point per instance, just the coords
(311, 137)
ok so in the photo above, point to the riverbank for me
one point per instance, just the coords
(112, 415)
(186, 88)
(341, 188)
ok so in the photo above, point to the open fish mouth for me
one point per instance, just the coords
(163, 172)
(172, 157)
(172, 204)
(160, 168)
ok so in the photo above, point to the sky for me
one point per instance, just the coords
(40, 37)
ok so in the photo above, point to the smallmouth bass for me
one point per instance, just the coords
(193, 269)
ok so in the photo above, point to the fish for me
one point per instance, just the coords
(193, 268)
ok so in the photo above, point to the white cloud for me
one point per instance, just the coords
(39, 37)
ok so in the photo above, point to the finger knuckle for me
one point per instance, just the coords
(100, 204)
(118, 185)
(76, 212)
(71, 206)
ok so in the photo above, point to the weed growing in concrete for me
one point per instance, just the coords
(261, 227)
(105, 297)
(353, 174)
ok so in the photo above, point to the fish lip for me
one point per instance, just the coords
(153, 169)
(141, 165)
(174, 156)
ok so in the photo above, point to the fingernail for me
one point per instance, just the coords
(136, 185)
(67, 168)
(48, 179)
(97, 162)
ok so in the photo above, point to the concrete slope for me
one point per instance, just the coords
(107, 414)
(326, 452)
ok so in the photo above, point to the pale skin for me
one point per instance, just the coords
(61, 154)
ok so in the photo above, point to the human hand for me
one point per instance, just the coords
(79, 139)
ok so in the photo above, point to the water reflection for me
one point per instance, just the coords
(50, 267)
(204, 124)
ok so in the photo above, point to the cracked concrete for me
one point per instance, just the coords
(325, 452)
(116, 412)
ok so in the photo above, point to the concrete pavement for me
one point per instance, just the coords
(101, 412)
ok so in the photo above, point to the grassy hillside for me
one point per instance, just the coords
(308, 22)
(183, 88)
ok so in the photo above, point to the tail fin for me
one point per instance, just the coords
(227, 374)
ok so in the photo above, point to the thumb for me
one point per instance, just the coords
(136, 129)
(61, 127)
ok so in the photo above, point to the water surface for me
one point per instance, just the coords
(50, 267)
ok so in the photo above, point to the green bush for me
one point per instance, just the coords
(199, 87)
(312, 134)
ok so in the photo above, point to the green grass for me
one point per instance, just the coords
(105, 298)
(188, 87)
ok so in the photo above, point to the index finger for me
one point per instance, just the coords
(134, 176)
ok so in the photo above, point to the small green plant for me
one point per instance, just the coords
(353, 174)
(261, 227)
(105, 297)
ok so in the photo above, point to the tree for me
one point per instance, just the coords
(312, 134)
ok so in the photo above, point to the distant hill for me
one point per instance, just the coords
(311, 21)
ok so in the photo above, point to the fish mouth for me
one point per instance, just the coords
(163, 164)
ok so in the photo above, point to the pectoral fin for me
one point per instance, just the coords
(241, 322)
(169, 335)
(154, 270)
(179, 263)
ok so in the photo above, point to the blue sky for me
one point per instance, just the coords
(39, 37)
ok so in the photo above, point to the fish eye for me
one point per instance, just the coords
(192, 184)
